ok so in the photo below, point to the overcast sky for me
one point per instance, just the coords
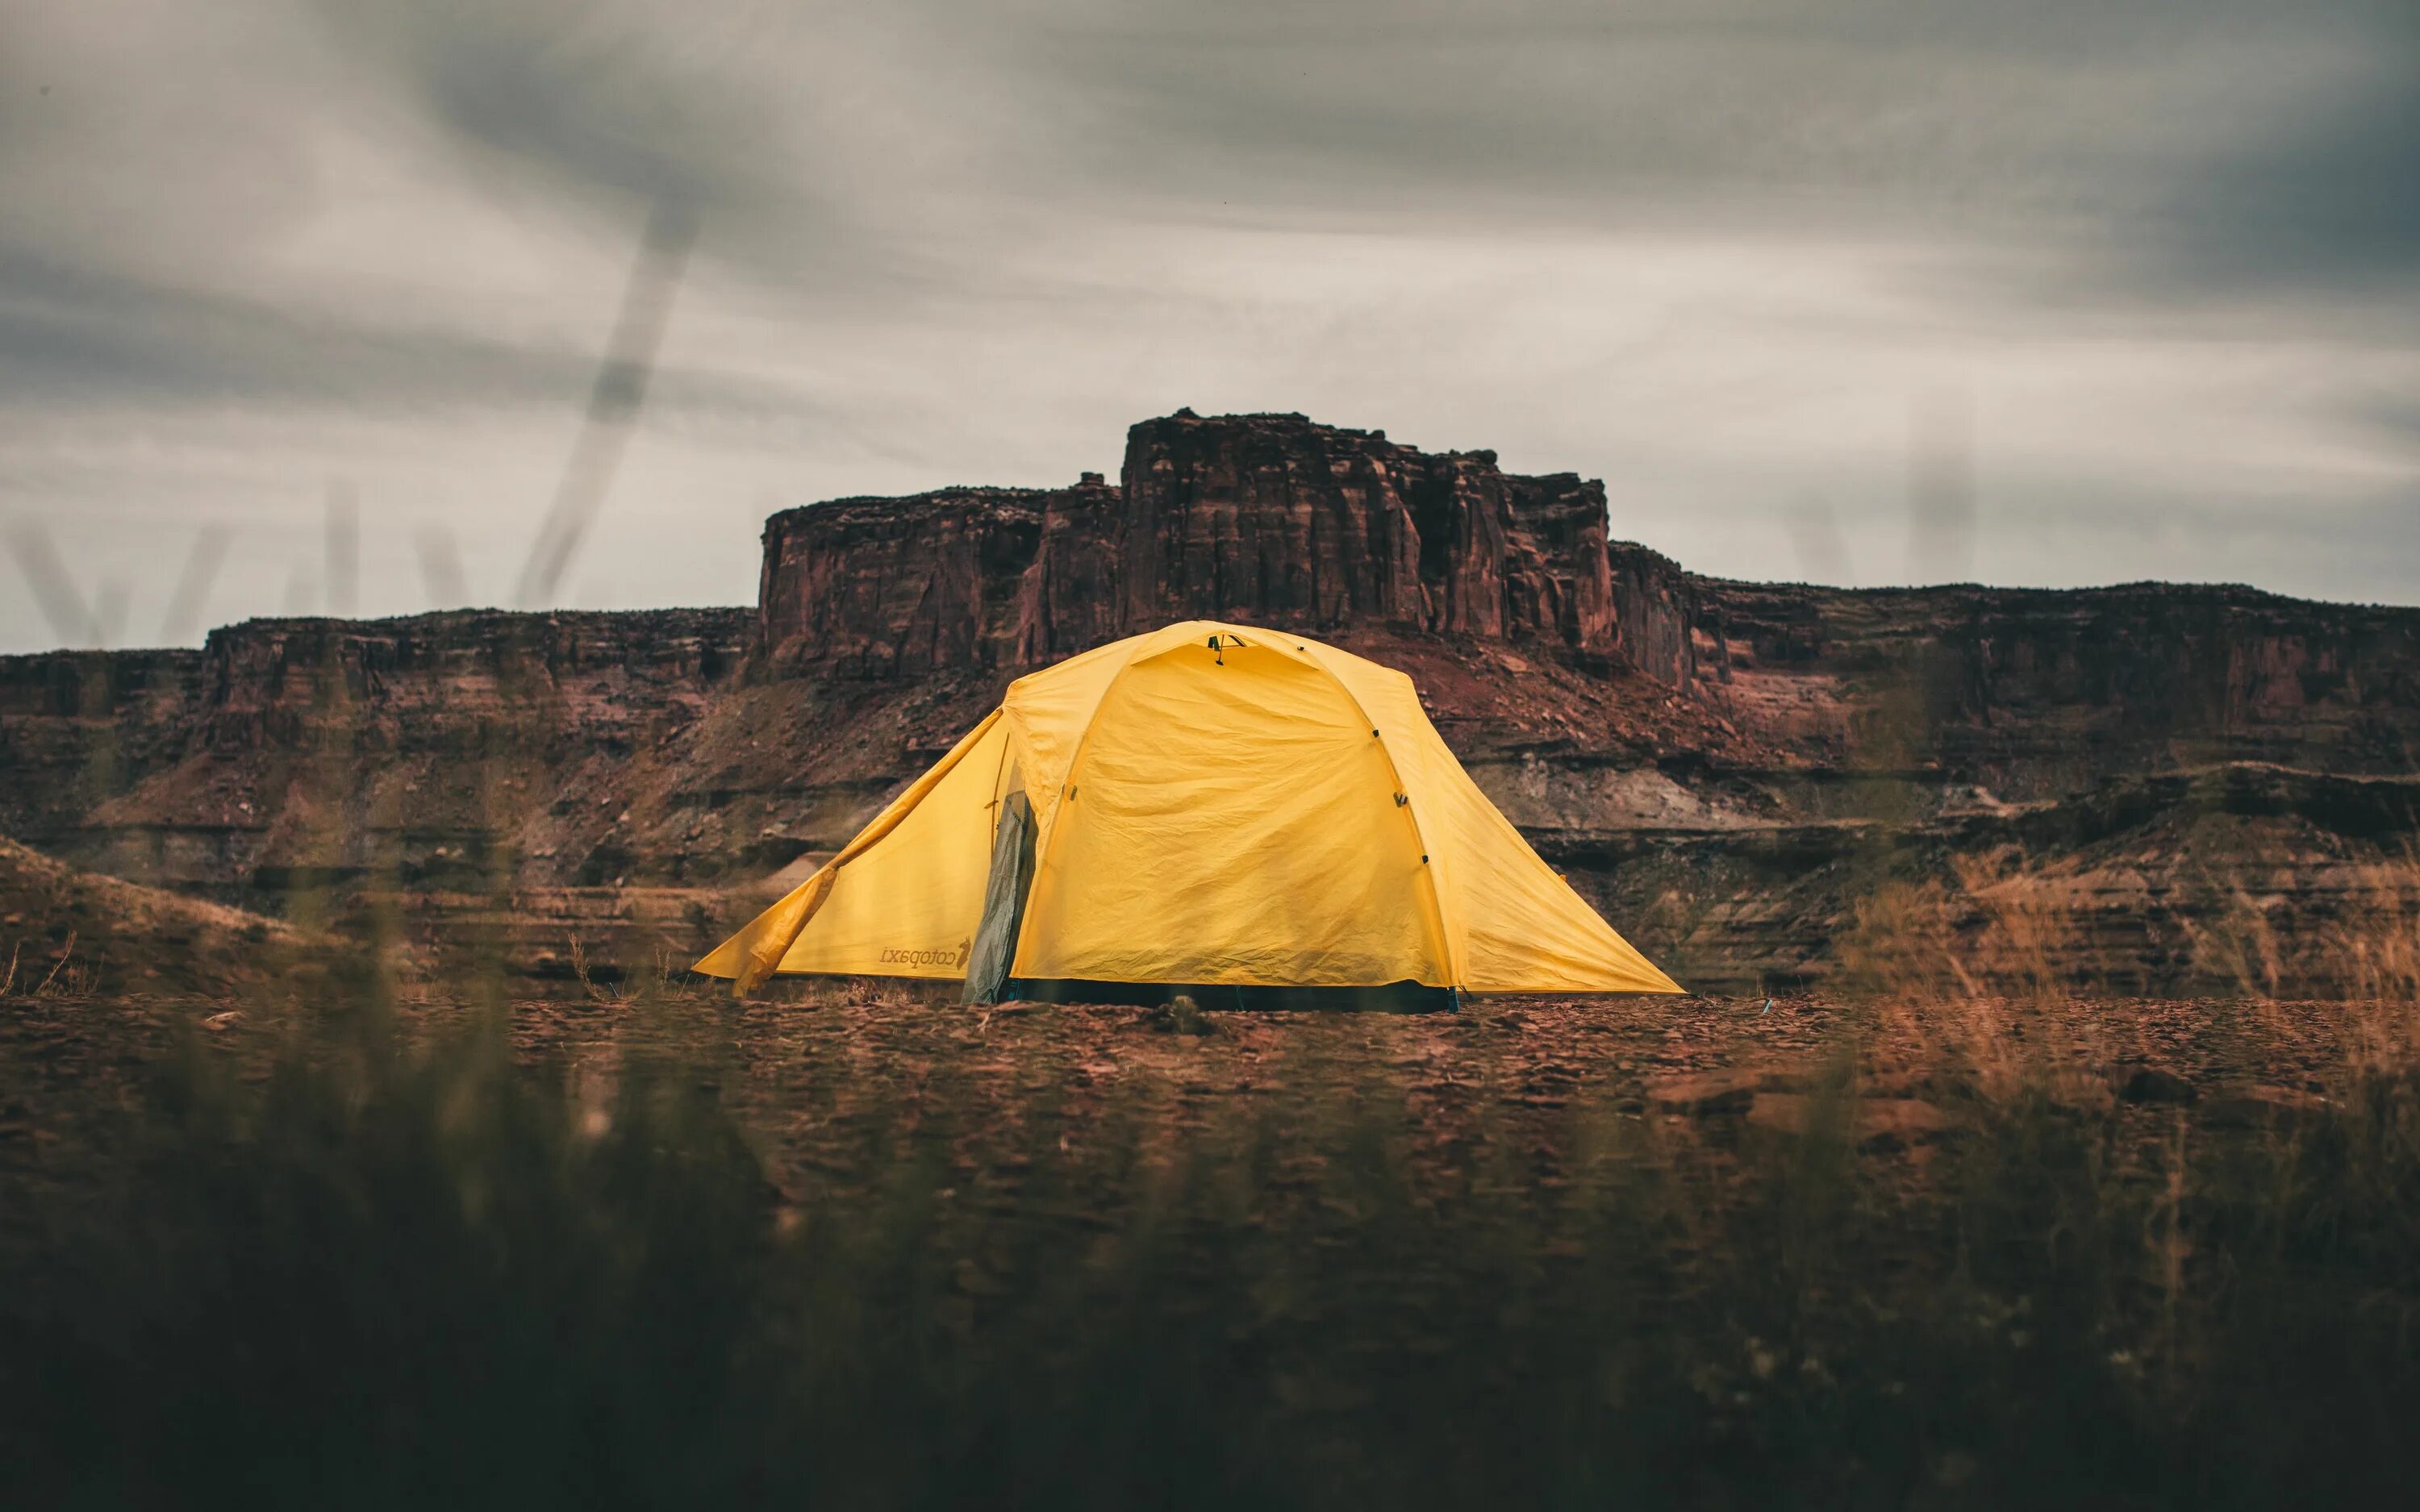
(2138, 280)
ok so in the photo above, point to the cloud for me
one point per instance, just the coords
(75, 335)
(614, 103)
(1711, 250)
(2328, 200)
(2145, 147)
(72, 333)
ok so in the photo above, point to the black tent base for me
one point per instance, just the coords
(1394, 997)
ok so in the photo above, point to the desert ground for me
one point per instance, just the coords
(858, 1240)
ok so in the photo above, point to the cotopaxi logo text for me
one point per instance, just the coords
(896, 956)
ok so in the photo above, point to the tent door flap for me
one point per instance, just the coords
(1004, 892)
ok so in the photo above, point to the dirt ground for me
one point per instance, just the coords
(1518, 1079)
(1561, 1249)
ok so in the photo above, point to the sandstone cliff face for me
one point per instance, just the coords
(294, 752)
(1734, 771)
(1273, 519)
(77, 727)
(1659, 606)
(1268, 519)
(442, 679)
(885, 587)
(2033, 692)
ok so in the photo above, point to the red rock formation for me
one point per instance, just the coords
(1723, 766)
(1266, 518)
(1660, 608)
(441, 678)
(2033, 691)
(897, 587)
(287, 745)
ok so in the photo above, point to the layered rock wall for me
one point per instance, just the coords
(1664, 615)
(885, 587)
(1728, 768)
(1265, 518)
(1275, 520)
(2035, 691)
(76, 727)
(283, 742)
(434, 680)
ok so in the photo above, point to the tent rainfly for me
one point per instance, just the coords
(1205, 804)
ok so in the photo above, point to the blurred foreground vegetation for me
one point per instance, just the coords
(380, 1263)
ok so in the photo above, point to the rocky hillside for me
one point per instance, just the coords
(1762, 783)
(70, 933)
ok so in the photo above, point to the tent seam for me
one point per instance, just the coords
(1454, 969)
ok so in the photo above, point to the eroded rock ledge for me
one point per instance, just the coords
(1269, 520)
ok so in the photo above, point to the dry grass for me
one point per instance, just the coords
(2001, 926)
(65, 976)
(864, 1246)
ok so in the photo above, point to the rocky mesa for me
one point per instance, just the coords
(1267, 520)
(2149, 787)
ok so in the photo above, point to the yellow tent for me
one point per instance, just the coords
(1208, 804)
